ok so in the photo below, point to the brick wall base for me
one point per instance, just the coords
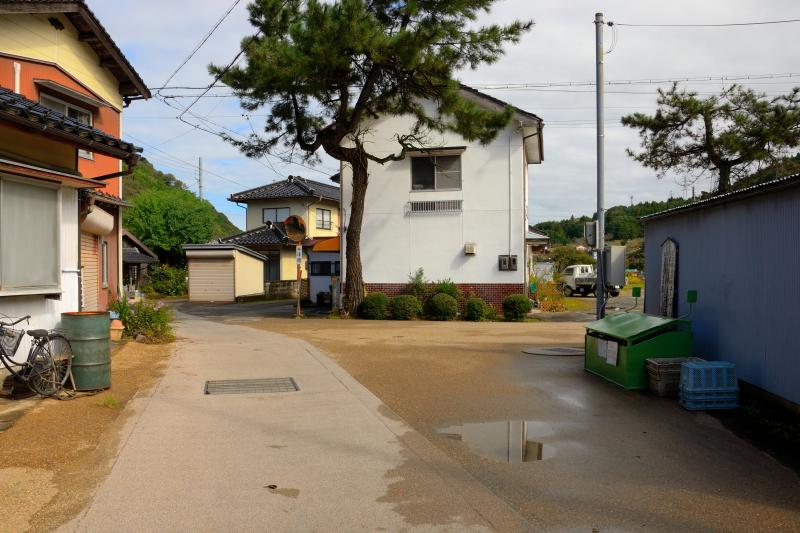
(492, 293)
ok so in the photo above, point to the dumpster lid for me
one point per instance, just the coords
(630, 325)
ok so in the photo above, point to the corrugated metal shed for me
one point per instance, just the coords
(741, 251)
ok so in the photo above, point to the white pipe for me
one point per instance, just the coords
(17, 71)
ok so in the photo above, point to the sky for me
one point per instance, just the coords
(157, 35)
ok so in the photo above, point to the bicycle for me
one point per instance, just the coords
(49, 362)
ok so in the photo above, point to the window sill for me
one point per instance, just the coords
(48, 292)
(435, 190)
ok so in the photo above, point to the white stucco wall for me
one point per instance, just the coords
(494, 207)
(46, 312)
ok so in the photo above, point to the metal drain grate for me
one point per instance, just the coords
(251, 386)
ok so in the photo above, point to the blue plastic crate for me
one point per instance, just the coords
(709, 404)
(708, 376)
(729, 394)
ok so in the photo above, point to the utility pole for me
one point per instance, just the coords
(200, 176)
(600, 288)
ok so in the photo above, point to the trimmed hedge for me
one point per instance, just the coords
(475, 309)
(446, 286)
(516, 307)
(374, 306)
(442, 307)
(405, 307)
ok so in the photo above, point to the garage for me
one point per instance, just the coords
(224, 273)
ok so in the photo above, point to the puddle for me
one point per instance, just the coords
(508, 441)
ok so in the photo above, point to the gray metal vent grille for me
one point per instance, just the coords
(251, 386)
(429, 207)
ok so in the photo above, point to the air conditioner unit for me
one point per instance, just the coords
(470, 248)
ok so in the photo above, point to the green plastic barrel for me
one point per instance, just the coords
(88, 333)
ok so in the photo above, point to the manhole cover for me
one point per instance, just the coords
(553, 350)
(251, 386)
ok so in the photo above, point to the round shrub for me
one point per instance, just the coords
(442, 307)
(446, 286)
(516, 306)
(475, 309)
(374, 306)
(405, 307)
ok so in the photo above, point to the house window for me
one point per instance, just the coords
(436, 173)
(275, 214)
(324, 218)
(104, 263)
(320, 268)
(29, 237)
(337, 268)
(79, 114)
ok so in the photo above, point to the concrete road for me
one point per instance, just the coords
(329, 457)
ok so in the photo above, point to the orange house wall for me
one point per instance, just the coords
(106, 118)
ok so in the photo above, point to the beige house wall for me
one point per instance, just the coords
(305, 208)
(249, 275)
(289, 264)
(34, 37)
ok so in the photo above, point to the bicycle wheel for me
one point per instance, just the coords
(51, 364)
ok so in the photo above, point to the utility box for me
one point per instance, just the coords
(590, 233)
(614, 266)
(617, 347)
(507, 262)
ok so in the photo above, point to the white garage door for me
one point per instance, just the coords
(211, 280)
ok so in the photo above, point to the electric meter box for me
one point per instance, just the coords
(617, 347)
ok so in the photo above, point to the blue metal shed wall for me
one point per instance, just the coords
(743, 257)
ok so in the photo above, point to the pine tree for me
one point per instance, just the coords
(729, 135)
(325, 69)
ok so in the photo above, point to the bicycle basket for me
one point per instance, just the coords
(10, 340)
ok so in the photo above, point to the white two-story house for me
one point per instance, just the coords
(457, 209)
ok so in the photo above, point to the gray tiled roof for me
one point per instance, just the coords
(33, 115)
(294, 187)
(259, 236)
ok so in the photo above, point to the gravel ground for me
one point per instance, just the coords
(614, 459)
(54, 456)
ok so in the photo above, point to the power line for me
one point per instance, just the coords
(194, 166)
(724, 25)
(203, 41)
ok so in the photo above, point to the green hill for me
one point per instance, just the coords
(146, 177)
(622, 221)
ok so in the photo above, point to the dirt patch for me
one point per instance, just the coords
(56, 454)
(433, 373)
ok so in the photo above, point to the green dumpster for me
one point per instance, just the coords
(617, 346)
(89, 337)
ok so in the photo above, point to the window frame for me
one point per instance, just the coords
(433, 157)
(264, 219)
(34, 290)
(85, 154)
(320, 223)
(315, 268)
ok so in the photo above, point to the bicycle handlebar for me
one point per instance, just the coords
(14, 323)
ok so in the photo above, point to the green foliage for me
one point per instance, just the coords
(164, 219)
(442, 307)
(145, 177)
(166, 280)
(143, 318)
(405, 307)
(374, 306)
(446, 286)
(516, 307)
(727, 135)
(563, 256)
(417, 284)
(475, 309)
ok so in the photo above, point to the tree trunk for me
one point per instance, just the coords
(354, 281)
(724, 180)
